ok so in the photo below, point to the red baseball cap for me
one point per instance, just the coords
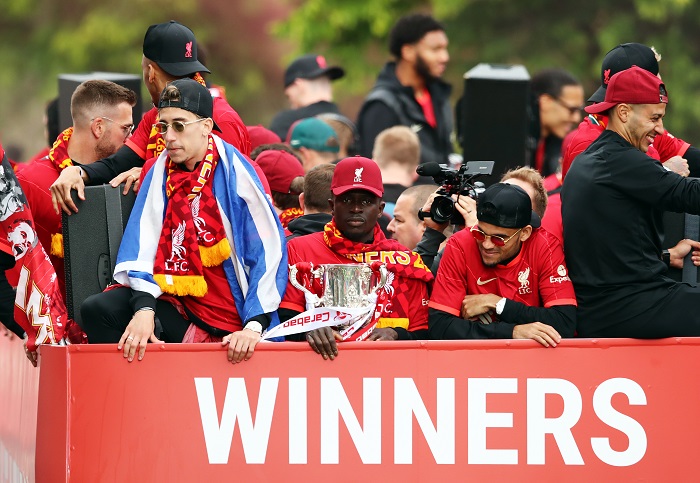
(280, 169)
(357, 173)
(261, 135)
(632, 86)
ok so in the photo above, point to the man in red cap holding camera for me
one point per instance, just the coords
(613, 200)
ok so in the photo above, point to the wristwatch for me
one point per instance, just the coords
(254, 326)
(666, 257)
(500, 305)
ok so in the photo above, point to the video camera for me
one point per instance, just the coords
(453, 182)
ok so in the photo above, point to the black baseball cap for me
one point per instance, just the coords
(194, 97)
(507, 206)
(173, 47)
(310, 67)
(623, 57)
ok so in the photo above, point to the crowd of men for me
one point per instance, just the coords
(570, 246)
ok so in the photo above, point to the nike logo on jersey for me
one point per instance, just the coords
(484, 282)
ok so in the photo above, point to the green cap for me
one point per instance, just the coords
(312, 133)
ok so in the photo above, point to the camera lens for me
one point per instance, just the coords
(442, 209)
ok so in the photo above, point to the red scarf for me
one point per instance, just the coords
(290, 214)
(58, 155)
(403, 262)
(193, 234)
(156, 143)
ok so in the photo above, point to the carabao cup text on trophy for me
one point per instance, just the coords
(343, 285)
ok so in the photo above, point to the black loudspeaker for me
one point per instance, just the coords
(493, 117)
(678, 226)
(91, 240)
(68, 82)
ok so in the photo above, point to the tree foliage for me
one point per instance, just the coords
(536, 34)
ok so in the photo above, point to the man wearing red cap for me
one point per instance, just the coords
(352, 236)
(613, 200)
(676, 154)
(286, 177)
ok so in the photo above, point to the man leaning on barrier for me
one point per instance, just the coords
(203, 250)
(504, 277)
(353, 236)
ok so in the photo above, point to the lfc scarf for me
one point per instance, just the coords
(193, 235)
(58, 155)
(290, 214)
(39, 307)
(402, 262)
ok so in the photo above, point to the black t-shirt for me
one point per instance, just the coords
(283, 120)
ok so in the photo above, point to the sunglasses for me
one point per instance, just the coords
(179, 126)
(497, 240)
(127, 128)
(572, 109)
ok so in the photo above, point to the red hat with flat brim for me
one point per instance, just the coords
(632, 86)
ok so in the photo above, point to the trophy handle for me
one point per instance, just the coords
(308, 270)
(381, 269)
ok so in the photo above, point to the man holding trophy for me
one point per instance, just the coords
(339, 265)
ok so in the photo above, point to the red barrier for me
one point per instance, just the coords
(19, 389)
(411, 411)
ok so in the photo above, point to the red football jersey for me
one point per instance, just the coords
(537, 276)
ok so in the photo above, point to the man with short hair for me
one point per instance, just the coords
(558, 102)
(613, 201)
(169, 53)
(675, 154)
(410, 92)
(315, 142)
(307, 85)
(503, 278)
(203, 250)
(397, 152)
(102, 122)
(406, 227)
(354, 236)
(314, 202)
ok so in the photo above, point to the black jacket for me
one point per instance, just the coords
(613, 201)
(283, 120)
(390, 103)
(308, 224)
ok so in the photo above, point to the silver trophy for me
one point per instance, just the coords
(341, 285)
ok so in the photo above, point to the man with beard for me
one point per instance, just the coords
(503, 278)
(203, 250)
(102, 121)
(409, 91)
(613, 201)
(353, 236)
(169, 53)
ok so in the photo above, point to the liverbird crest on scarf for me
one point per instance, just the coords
(192, 235)
(256, 268)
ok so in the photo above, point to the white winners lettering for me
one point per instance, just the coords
(32, 306)
(437, 425)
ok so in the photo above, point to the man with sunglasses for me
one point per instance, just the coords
(102, 121)
(169, 53)
(503, 278)
(203, 250)
(558, 106)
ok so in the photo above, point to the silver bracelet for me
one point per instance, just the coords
(144, 309)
